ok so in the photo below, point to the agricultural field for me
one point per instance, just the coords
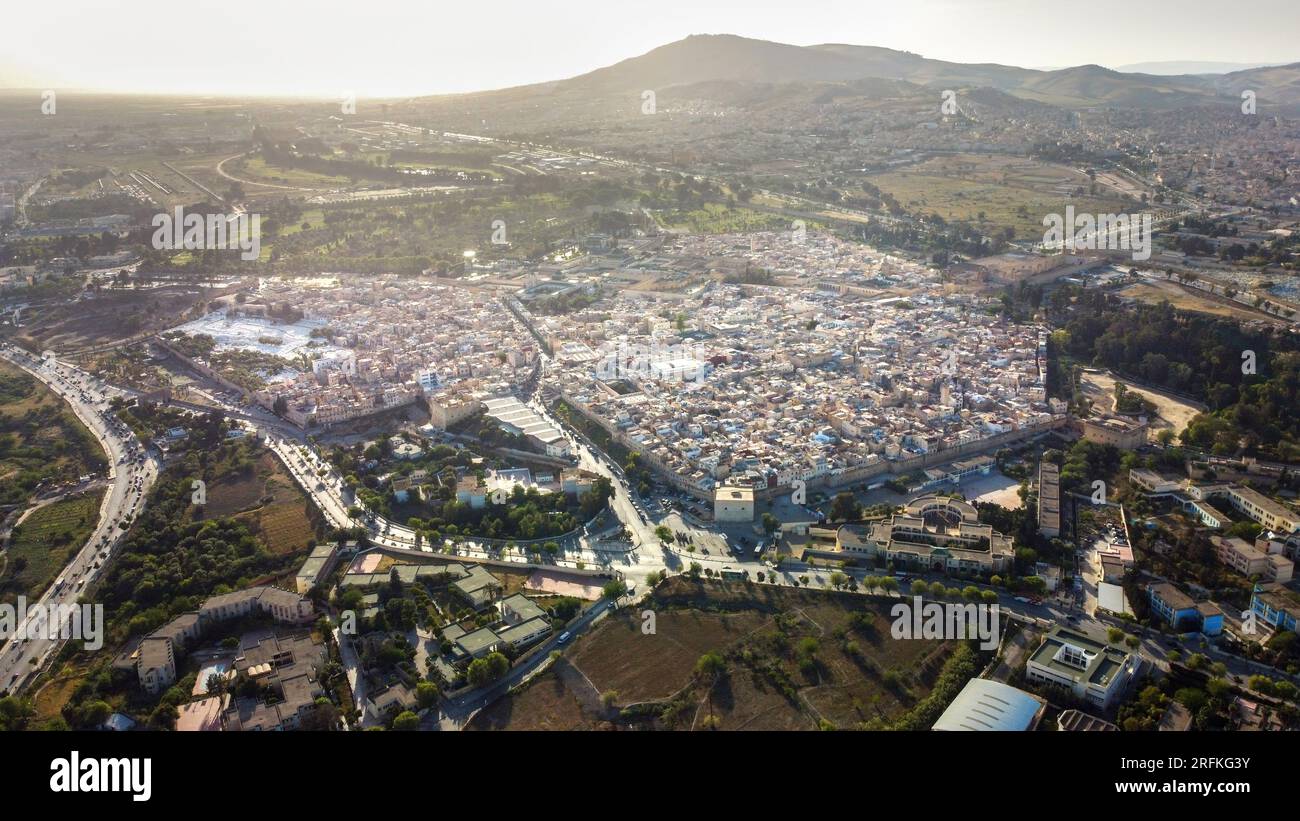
(266, 499)
(40, 439)
(43, 543)
(791, 659)
(1008, 191)
(642, 667)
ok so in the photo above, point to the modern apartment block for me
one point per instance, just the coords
(1280, 521)
(1249, 560)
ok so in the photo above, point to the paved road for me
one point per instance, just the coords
(132, 473)
(455, 713)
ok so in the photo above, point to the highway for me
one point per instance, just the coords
(132, 472)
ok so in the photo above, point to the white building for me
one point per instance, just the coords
(1088, 668)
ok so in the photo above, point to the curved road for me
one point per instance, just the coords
(131, 473)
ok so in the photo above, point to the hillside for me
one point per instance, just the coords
(729, 59)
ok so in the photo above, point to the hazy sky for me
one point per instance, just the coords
(401, 47)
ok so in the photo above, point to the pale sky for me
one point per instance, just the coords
(406, 47)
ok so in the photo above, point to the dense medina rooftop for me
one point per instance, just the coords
(859, 357)
(736, 380)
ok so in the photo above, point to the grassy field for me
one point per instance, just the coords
(1009, 191)
(714, 218)
(1155, 292)
(40, 438)
(256, 169)
(41, 546)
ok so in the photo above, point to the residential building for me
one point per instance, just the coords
(1182, 613)
(1277, 605)
(157, 664)
(1249, 560)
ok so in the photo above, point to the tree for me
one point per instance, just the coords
(95, 713)
(426, 694)
(406, 721)
(615, 590)
(710, 666)
(845, 507)
(664, 533)
(1191, 697)
(487, 670)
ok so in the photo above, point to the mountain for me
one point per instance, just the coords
(731, 59)
(1171, 67)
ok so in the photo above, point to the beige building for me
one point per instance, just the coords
(733, 504)
(1250, 560)
(155, 658)
(446, 409)
(280, 604)
(1273, 515)
(1123, 433)
(932, 533)
(157, 665)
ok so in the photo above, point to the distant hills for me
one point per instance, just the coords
(730, 59)
(1167, 67)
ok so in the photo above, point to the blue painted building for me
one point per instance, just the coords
(1178, 610)
(1277, 605)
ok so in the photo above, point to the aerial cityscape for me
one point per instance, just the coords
(724, 384)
